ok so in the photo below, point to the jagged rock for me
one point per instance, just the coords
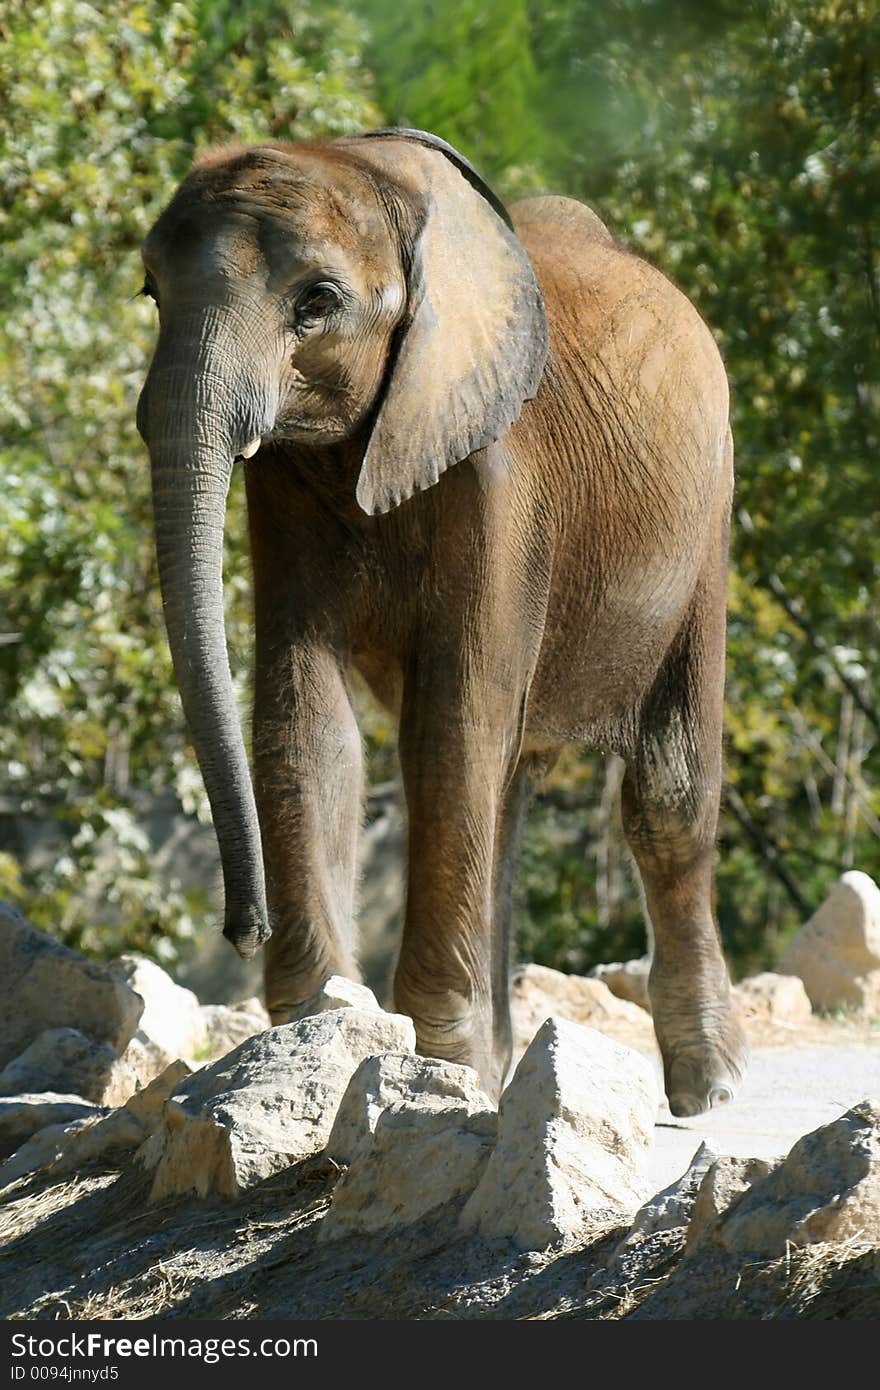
(21, 1116)
(837, 953)
(146, 1060)
(575, 1128)
(627, 979)
(65, 1148)
(402, 1120)
(65, 1060)
(227, 1025)
(672, 1207)
(171, 1024)
(147, 1105)
(772, 998)
(266, 1104)
(827, 1189)
(726, 1180)
(337, 993)
(538, 992)
(45, 985)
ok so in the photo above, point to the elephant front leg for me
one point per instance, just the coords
(451, 977)
(308, 783)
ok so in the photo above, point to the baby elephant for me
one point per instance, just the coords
(488, 466)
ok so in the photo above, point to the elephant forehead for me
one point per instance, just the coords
(292, 245)
(188, 239)
(263, 210)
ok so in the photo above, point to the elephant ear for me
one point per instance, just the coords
(473, 342)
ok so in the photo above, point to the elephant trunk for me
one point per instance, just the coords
(193, 436)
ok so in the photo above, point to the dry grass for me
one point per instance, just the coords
(155, 1296)
(813, 1274)
(24, 1206)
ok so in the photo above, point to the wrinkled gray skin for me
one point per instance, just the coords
(518, 551)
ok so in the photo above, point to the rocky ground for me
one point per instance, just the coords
(159, 1157)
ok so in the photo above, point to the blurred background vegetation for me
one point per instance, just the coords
(737, 146)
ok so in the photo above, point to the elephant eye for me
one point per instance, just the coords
(148, 288)
(317, 302)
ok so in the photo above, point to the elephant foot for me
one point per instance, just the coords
(288, 987)
(452, 1029)
(704, 1064)
(701, 1082)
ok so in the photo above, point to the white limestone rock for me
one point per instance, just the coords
(837, 953)
(147, 1105)
(415, 1134)
(627, 979)
(21, 1116)
(171, 1025)
(65, 1060)
(227, 1025)
(537, 993)
(44, 985)
(337, 993)
(672, 1207)
(826, 1190)
(724, 1183)
(772, 998)
(575, 1130)
(66, 1148)
(266, 1104)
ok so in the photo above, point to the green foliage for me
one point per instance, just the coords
(465, 71)
(104, 108)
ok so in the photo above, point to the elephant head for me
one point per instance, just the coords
(364, 292)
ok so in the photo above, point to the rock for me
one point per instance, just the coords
(65, 1060)
(227, 1025)
(397, 1083)
(267, 1104)
(41, 1150)
(575, 1128)
(21, 1116)
(827, 1189)
(627, 980)
(146, 1106)
(726, 1180)
(146, 1060)
(65, 1148)
(337, 993)
(672, 1207)
(837, 953)
(772, 998)
(401, 1119)
(44, 985)
(538, 992)
(171, 1024)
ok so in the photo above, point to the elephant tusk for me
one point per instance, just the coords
(250, 449)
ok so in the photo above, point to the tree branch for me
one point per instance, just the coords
(767, 849)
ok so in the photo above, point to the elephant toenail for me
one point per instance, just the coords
(720, 1095)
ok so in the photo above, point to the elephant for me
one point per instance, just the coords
(488, 465)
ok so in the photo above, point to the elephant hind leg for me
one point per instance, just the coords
(670, 802)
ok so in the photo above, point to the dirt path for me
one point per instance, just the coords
(790, 1090)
